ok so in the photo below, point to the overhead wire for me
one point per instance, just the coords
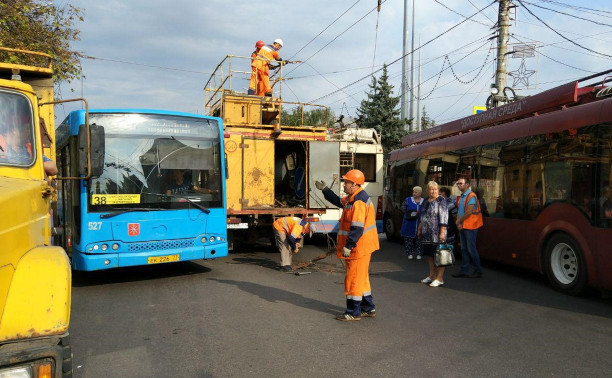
(322, 31)
(334, 39)
(569, 15)
(578, 8)
(559, 34)
(411, 52)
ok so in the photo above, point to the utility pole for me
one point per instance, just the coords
(412, 128)
(418, 112)
(503, 25)
(404, 88)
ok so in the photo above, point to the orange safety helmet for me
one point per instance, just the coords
(355, 175)
(259, 44)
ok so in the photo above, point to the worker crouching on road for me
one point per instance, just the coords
(288, 232)
(357, 239)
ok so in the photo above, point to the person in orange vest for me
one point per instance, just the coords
(270, 54)
(288, 232)
(469, 220)
(357, 240)
(257, 66)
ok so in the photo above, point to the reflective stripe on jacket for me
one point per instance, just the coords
(293, 227)
(474, 221)
(357, 230)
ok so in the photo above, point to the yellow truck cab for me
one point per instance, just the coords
(35, 276)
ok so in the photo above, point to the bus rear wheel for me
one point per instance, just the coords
(565, 265)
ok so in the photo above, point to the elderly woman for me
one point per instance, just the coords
(412, 211)
(432, 231)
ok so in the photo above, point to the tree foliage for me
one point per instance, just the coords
(380, 111)
(314, 117)
(426, 122)
(38, 25)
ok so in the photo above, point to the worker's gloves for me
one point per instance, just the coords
(320, 185)
(346, 252)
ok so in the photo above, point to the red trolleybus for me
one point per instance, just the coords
(541, 165)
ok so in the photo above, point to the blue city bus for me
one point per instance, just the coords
(160, 197)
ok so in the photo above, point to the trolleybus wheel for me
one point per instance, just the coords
(565, 265)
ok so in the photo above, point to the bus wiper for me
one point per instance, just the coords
(204, 209)
(114, 214)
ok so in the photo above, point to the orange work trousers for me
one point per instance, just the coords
(357, 280)
(260, 82)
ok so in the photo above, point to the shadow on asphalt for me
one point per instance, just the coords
(274, 295)
(498, 281)
(136, 273)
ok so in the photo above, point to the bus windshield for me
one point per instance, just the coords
(155, 161)
(16, 130)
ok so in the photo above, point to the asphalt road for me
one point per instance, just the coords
(240, 317)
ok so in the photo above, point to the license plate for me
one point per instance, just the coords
(238, 225)
(163, 259)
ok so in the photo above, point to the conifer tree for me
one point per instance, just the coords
(380, 111)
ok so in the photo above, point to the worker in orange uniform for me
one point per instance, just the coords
(288, 232)
(357, 239)
(257, 70)
(270, 54)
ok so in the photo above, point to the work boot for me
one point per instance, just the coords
(286, 268)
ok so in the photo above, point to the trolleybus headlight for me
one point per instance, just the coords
(203, 240)
(212, 239)
(218, 238)
(106, 262)
(104, 247)
(96, 247)
(115, 246)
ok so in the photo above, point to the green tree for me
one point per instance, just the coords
(380, 111)
(426, 122)
(314, 117)
(41, 26)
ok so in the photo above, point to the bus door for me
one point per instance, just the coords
(258, 173)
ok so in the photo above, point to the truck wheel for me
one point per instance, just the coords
(66, 357)
(565, 266)
(389, 228)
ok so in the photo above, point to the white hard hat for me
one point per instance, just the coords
(279, 41)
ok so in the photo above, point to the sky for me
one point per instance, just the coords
(160, 54)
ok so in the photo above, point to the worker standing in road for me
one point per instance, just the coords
(288, 232)
(270, 53)
(257, 70)
(357, 239)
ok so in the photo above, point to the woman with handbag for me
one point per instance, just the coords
(432, 231)
(412, 211)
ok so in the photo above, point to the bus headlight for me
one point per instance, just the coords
(115, 246)
(212, 239)
(203, 240)
(96, 247)
(104, 247)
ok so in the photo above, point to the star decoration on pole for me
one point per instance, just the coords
(522, 75)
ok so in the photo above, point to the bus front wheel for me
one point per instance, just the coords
(565, 265)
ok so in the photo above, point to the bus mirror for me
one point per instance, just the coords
(97, 149)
